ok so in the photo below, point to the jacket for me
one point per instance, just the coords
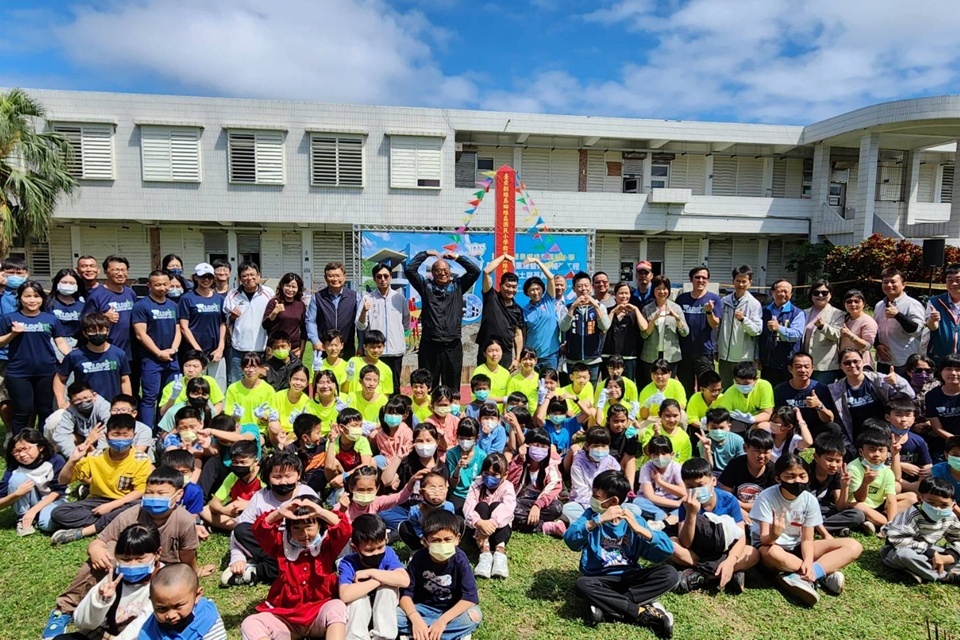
(441, 312)
(823, 344)
(583, 329)
(737, 340)
(549, 482)
(389, 315)
(323, 314)
(777, 347)
(504, 494)
(943, 341)
(879, 384)
(72, 423)
(671, 329)
(95, 614)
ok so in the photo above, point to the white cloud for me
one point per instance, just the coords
(360, 51)
(768, 60)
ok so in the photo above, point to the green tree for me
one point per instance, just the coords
(33, 169)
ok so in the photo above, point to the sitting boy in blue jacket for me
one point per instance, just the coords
(613, 541)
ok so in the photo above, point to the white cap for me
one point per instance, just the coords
(204, 269)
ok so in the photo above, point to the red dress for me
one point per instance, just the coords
(304, 584)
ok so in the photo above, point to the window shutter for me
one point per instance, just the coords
(92, 157)
(536, 169)
(256, 157)
(946, 186)
(415, 162)
(750, 177)
(336, 161)
(170, 154)
(779, 178)
(724, 176)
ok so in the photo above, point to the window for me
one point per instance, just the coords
(659, 176)
(484, 164)
(415, 162)
(170, 154)
(336, 161)
(256, 157)
(92, 157)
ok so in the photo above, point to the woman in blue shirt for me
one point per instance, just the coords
(66, 302)
(28, 332)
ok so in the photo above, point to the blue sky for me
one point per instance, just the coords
(777, 61)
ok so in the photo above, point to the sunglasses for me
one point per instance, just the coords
(821, 294)
(381, 276)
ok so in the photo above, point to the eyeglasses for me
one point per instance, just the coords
(700, 278)
(601, 282)
(21, 450)
(850, 363)
(382, 276)
(821, 294)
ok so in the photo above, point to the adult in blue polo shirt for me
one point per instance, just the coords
(943, 316)
(782, 330)
(700, 309)
(542, 327)
(158, 332)
(115, 300)
(202, 323)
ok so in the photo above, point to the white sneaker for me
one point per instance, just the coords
(833, 582)
(484, 566)
(500, 569)
(799, 588)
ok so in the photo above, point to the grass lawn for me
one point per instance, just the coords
(538, 601)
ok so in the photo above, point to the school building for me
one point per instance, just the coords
(285, 183)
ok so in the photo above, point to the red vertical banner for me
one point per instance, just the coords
(504, 227)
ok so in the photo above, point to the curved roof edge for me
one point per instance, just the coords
(899, 111)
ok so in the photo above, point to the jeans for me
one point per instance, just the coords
(29, 395)
(154, 376)
(651, 511)
(548, 362)
(464, 624)
(394, 516)
(25, 503)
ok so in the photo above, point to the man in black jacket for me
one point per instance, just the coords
(441, 313)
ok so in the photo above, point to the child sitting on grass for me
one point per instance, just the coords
(613, 542)
(537, 482)
(489, 510)
(179, 609)
(441, 601)
(370, 579)
(119, 604)
(914, 535)
(302, 601)
(873, 487)
(30, 482)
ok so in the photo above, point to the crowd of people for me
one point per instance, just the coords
(666, 440)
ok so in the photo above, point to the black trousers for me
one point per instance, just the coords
(443, 359)
(77, 515)
(774, 376)
(267, 569)
(502, 534)
(525, 502)
(396, 366)
(620, 595)
(834, 520)
(690, 369)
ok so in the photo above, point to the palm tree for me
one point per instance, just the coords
(33, 170)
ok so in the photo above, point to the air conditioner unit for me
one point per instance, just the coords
(458, 147)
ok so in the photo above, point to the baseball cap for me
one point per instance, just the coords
(644, 264)
(204, 269)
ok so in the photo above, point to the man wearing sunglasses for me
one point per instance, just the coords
(385, 309)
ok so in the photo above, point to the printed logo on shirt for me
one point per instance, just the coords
(37, 327)
(611, 551)
(207, 308)
(692, 310)
(67, 316)
(125, 483)
(861, 401)
(120, 307)
(163, 314)
(748, 492)
(438, 585)
(99, 367)
(948, 412)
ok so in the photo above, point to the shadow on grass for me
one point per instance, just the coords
(233, 620)
(557, 585)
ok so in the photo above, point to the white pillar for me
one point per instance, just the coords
(76, 243)
(517, 160)
(866, 186)
(708, 178)
(913, 194)
(647, 170)
(704, 251)
(306, 248)
(819, 189)
(768, 177)
(762, 250)
(953, 226)
(232, 251)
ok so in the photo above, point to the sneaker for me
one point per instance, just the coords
(595, 616)
(844, 533)
(690, 580)
(65, 535)
(833, 583)
(500, 569)
(736, 584)
(555, 529)
(952, 577)
(656, 525)
(799, 588)
(56, 624)
(25, 530)
(660, 620)
(230, 579)
(869, 528)
(484, 566)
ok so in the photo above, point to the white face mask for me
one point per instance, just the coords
(425, 449)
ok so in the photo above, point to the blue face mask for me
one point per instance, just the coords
(155, 505)
(491, 482)
(175, 272)
(933, 513)
(704, 494)
(598, 454)
(316, 540)
(744, 388)
(455, 409)
(392, 420)
(872, 467)
(120, 444)
(174, 293)
(557, 418)
(631, 433)
(481, 394)
(897, 432)
(718, 435)
(14, 282)
(134, 573)
(954, 462)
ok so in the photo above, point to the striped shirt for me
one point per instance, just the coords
(912, 529)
